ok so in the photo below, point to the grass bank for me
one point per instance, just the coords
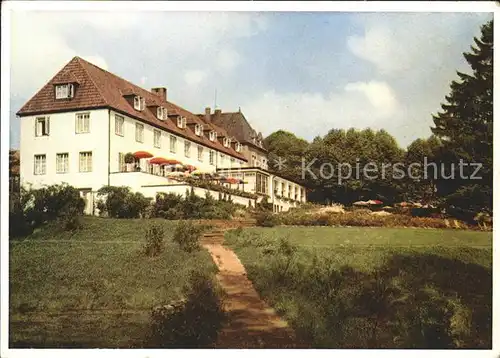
(95, 287)
(374, 287)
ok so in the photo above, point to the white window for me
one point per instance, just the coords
(42, 126)
(173, 144)
(222, 157)
(226, 142)
(232, 162)
(238, 147)
(139, 103)
(161, 113)
(187, 148)
(211, 157)
(40, 164)
(85, 162)
(119, 121)
(65, 91)
(200, 153)
(139, 132)
(198, 129)
(157, 138)
(82, 123)
(62, 163)
(122, 167)
(213, 135)
(181, 122)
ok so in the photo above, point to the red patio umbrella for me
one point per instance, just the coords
(142, 154)
(232, 181)
(172, 162)
(158, 160)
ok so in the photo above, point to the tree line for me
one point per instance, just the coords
(461, 146)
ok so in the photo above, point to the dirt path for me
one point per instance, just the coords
(252, 323)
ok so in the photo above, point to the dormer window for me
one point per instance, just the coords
(213, 135)
(226, 142)
(181, 122)
(161, 113)
(139, 103)
(198, 129)
(238, 147)
(65, 91)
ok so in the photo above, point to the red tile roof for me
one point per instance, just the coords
(98, 88)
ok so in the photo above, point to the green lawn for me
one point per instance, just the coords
(374, 287)
(94, 288)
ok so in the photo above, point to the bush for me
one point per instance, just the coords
(266, 219)
(193, 322)
(186, 235)
(154, 240)
(120, 202)
(35, 207)
(129, 158)
(50, 202)
(175, 207)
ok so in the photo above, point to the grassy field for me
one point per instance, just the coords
(374, 287)
(94, 288)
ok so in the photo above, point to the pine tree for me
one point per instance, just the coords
(465, 126)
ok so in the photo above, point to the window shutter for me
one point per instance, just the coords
(47, 124)
(36, 127)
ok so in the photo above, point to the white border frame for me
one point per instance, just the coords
(429, 6)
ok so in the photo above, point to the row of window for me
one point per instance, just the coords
(62, 163)
(82, 124)
(139, 137)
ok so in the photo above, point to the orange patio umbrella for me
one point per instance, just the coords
(142, 154)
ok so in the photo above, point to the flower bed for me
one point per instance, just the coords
(366, 219)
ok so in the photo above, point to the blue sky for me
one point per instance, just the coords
(302, 72)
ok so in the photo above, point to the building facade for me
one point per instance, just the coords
(80, 127)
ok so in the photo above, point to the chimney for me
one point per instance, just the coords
(217, 113)
(160, 91)
(207, 114)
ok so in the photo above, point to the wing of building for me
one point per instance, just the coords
(90, 128)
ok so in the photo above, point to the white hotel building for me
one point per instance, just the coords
(79, 126)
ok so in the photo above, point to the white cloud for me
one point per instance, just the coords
(194, 77)
(38, 52)
(359, 105)
(379, 94)
(228, 59)
(396, 43)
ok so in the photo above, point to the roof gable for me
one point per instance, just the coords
(87, 95)
(237, 125)
(99, 88)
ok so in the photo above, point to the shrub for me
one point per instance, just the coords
(129, 158)
(186, 236)
(70, 220)
(120, 202)
(154, 240)
(35, 207)
(193, 322)
(266, 219)
(50, 202)
(168, 206)
(18, 223)
(174, 207)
